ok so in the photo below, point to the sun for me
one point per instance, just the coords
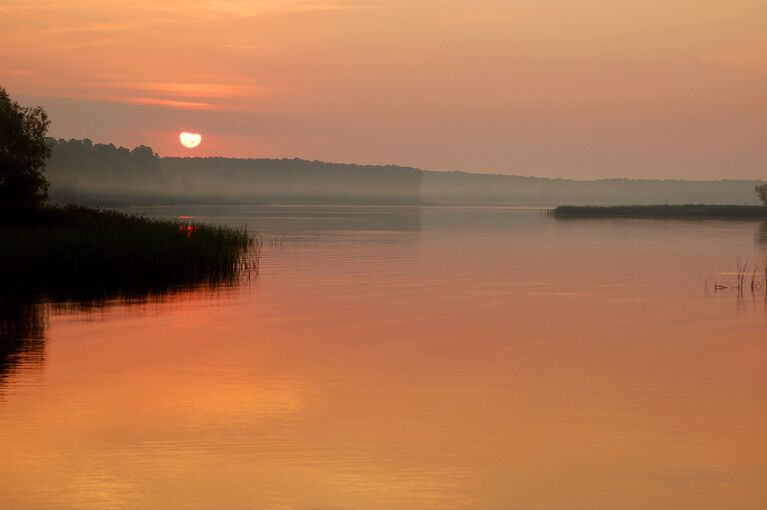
(190, 140)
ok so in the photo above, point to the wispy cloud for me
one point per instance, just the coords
(199, 90)
(168, 103)
(90, 16)
(136, 100)
(92, 27)
(244, 46)
(15, 71)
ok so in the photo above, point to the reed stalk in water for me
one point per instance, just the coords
(738, 280)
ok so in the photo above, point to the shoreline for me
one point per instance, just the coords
(684, 211)
(81, 252)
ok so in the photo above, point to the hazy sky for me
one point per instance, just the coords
(570, 88)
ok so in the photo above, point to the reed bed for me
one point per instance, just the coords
(662, 211)
(72, 252)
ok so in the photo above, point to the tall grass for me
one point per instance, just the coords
(78, 252)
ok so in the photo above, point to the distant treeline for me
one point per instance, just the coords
(469, 187)
(662, 211)
(81, 171)
(291, 180)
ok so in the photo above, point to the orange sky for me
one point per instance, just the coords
(570, 88)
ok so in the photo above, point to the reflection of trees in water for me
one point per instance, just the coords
(24, 317)
(761, 235)
(22, 335)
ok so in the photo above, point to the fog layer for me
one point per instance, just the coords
(81, 171)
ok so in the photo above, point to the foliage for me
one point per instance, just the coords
(104, 162)
(762, 192)
(80, 168)
(23, 151)
(84, 171)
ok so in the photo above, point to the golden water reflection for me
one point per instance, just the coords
(536, 365)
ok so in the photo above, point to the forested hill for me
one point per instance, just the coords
(81, 171)
(291, 180)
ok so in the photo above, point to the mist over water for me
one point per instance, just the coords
(101, 174)
(404, 357)
(381, 255)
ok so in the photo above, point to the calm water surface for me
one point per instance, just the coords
(405, 357)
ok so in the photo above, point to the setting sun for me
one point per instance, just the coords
(433, 254)
(190, 140)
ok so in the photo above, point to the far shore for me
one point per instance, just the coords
(702, 211)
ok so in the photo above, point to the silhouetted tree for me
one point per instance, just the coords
(23, 151)
(762, 191)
